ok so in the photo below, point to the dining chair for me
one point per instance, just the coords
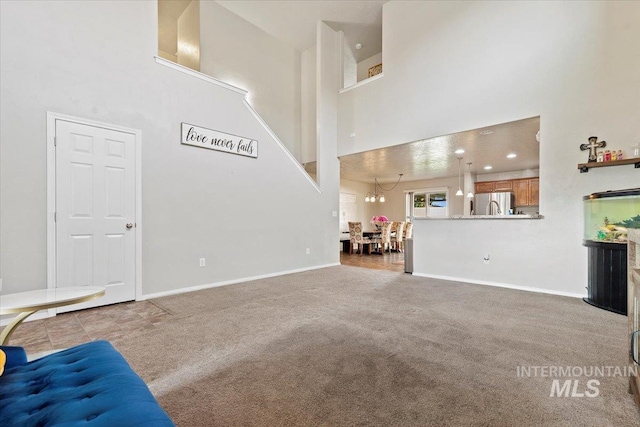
(397, 239)
(356, 237)
(394, 226)
(385, 237)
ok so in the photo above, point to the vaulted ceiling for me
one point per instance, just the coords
(295, 23)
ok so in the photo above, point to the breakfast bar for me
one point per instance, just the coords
(498, 250)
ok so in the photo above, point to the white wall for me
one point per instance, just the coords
(505, 176)
(328, 176)
(349, 65)
(360, 189)
(308, 145)
(167, 56)
(239, 53)
(574, 64)
(95, 60)
(188, 53)
(365, 64)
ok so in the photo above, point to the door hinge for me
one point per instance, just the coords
(55, 141)
(55, 217)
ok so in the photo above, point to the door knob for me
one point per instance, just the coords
(129, 225)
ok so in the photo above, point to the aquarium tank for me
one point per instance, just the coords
(609, 214)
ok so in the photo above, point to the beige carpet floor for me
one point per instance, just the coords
(347, 346)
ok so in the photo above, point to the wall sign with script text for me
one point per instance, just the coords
(219, 141)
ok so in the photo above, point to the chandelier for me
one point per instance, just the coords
(380, 197)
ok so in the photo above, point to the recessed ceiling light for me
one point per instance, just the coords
(486, 132)
(459, 151)
(488, 167)
(512, 156)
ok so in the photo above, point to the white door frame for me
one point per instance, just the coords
(51, 195)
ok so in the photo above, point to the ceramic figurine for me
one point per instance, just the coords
(600, 156)
(620, 155)
(607, 156)
(614, 155)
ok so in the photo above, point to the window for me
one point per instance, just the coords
(438, 200)
(430, 202)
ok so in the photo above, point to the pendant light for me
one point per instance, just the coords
(469, 194)
(459, 192)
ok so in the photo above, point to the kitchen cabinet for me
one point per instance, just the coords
(493, 186)
(527, 191)
(503, 185)
(484, 187)
(521, 190)
(534, 191)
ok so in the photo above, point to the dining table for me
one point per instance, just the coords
(345, 239)
(368, 234)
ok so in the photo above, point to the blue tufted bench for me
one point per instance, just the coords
(87, 385)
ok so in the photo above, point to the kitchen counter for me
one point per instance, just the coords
(523, 216)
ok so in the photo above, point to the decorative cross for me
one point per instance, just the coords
(591, 146)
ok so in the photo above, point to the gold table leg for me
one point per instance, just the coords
(8, 330)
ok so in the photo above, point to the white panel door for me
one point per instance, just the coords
(95, 211)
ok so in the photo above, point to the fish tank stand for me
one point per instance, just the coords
(607, 276)
(608, 216)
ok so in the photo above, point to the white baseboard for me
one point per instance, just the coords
(501, 285)
(232, 282)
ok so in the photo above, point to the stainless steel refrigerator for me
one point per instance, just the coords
(494, 204)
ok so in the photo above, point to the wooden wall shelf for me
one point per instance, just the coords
(584, 167)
